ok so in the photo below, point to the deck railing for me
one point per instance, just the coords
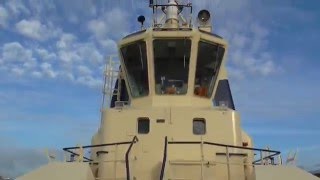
(85, 159)
(227, 147)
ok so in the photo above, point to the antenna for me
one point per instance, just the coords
(172, 16)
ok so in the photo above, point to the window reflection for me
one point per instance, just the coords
(208, 64)
(171, 63)
(135, 60)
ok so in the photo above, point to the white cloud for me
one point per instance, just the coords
(109, 45)
(18, 71)
(3, 17)
(65, 41)
(34, 29)
(89, 52)
(68, 75)
(41, 8)
(68, 56)
(113, 23)
(15, 52)
(36, 74)
(247, 34)
(47, 70)
(98, 27)
(17, 7)
(45, 55)
(83, 70)
(248, 49)
(90, 81)
(79, 61)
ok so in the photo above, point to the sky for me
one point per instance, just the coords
(52, 54)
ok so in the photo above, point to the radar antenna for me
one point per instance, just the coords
(171, 15)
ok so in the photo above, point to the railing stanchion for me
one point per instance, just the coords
(228, 161)
(261, 157)
(164, 161)
(127, 157)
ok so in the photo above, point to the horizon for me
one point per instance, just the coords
(52, 55)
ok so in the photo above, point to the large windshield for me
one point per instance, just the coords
(135, 60)
(171, 64)
(208, 64)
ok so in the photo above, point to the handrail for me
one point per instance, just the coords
(68, 149)
(164, 158)
(76, 154)
(98, 145)
(223, 145)
(275, 153)
(231, 146)
(134, 140)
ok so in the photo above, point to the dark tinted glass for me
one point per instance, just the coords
(135, 60)
(171, 65)
(223, 96)
(208, 64)
(199, 126)
(143, 125)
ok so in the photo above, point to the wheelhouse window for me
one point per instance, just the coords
(208, 64)
(171, 63)
(223, 96)
(135, 60)
(199, 126)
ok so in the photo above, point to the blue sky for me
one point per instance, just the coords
(52, 53)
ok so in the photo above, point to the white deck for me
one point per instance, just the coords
(282, 173)
(62, 171)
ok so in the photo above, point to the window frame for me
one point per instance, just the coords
(214, 82)
(140, 119)
(199, 120)
(126, 70)
(189, 67)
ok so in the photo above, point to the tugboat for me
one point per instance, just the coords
(171, 114)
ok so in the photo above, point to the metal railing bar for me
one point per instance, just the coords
(169, 5)
(98, 145)
(164, 158)
(228, 162)
(267, 157)
(76, 154)
(222, 145)
(134, 140)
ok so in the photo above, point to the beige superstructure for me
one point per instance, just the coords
(172, 115)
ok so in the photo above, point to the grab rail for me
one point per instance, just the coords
(134, 140)
(68, 149)
(164, 158)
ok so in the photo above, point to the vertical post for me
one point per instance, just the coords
(115, 162)
(110, 74)
(228, 161)
(279, 159)
(261, 157)
(164, 160)
(202, 157)
(104, 87)
(119, 85)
